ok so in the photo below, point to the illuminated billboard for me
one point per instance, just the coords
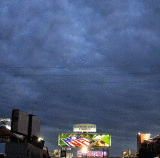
(84, 127)
(80, 140)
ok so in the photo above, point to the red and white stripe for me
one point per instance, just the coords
(81, 142)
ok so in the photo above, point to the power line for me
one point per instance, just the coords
(86, 82)
(63, 67)
(87, 74)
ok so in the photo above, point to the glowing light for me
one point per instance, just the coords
(6, 120)
(84, 150)
(39, 139)
(8, 127)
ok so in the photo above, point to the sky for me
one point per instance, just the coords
(83, 61)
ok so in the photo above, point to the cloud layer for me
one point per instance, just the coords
(81, 61)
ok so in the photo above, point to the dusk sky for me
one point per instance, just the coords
(82, 61)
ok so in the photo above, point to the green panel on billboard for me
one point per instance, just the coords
(80, 140)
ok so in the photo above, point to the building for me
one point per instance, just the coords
(150, 149)
(23, 141)
(22, 150)
(141, 138)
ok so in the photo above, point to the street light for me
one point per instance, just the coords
(8, 127)
(39, 139)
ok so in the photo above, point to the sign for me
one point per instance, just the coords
(93, 153)
(81, 140)
(84, 128)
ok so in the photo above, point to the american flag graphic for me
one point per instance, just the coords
(76, 141)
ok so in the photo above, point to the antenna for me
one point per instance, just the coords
(33, 106)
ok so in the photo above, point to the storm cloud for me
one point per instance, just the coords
(81, 61)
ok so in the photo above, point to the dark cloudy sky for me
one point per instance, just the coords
(82, 61)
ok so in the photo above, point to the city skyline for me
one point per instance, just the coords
(85, 61)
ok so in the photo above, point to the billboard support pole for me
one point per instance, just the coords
(107, 152)
(63, 152)
(103, 152)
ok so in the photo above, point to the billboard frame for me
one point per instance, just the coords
(89, 147)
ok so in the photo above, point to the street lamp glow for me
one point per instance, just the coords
(39, 139)
(8, 127)
(84, 150)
